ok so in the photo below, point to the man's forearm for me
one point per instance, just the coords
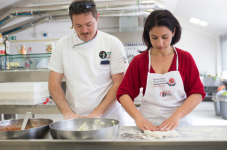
(59, 98)
(107, 101)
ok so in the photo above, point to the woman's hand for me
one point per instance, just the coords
(170, 124)
(144, 124)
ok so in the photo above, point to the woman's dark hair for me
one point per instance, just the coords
(82, 10)
(161, 18)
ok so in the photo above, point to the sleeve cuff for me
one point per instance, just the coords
(197, 92)
(116, 71)
(54, 69)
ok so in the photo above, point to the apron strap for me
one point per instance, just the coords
(177, 59)
(150, 59)
(149, 66)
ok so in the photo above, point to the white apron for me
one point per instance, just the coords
(164, 95)
(91, 82)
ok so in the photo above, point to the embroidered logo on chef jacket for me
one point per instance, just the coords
(102, 54)
(165, 93)
(124, 59)
(105, 57)
(104, 62)
(160, 82)
(108, 54)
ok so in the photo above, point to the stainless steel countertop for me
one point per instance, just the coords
(130, 137)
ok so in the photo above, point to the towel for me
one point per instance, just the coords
(214, 77)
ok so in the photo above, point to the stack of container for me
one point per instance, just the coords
(23, 93)
(215, 98)
(219, 97)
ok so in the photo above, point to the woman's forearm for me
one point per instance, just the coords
(190, 103)
(130, 107)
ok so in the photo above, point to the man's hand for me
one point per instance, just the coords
(72, 116)
(171, 123)
(93, 115)
(144, 124)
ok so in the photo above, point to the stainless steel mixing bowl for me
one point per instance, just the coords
(40, 130)
(68, 129)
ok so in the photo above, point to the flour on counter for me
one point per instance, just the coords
(186, 133)
(134, 133)
(161, 134)
(204, 133)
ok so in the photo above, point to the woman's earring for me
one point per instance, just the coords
(71, 27)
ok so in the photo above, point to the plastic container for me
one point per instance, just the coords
(18, 93)
(223, 100)
(215, 98)
(23, 101)
(23, 86)
(24, 95)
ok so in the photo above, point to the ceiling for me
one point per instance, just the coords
(212, 11)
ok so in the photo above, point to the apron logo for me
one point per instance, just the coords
(165, 93)
(102, 54)
(159, 82)
(172, 82)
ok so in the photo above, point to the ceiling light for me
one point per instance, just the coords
(66, 6)
(151, 1)
(194, 20)
(150, 10)
(203, 23)
(146, 13)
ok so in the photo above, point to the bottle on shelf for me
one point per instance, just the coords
(2, 46)
(7, 45)
(23, 50)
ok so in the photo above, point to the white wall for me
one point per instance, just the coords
(56, 31)
(224, 51)
(202, 46)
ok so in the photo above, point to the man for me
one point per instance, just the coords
(93, 64)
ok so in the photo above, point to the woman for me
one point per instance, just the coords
(168, 75)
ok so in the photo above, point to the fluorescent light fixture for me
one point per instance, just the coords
(203, 23)
(194, 20)
(199, 22)
(146, 13)
(151, 1)
(150, 10)
(66, 6)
